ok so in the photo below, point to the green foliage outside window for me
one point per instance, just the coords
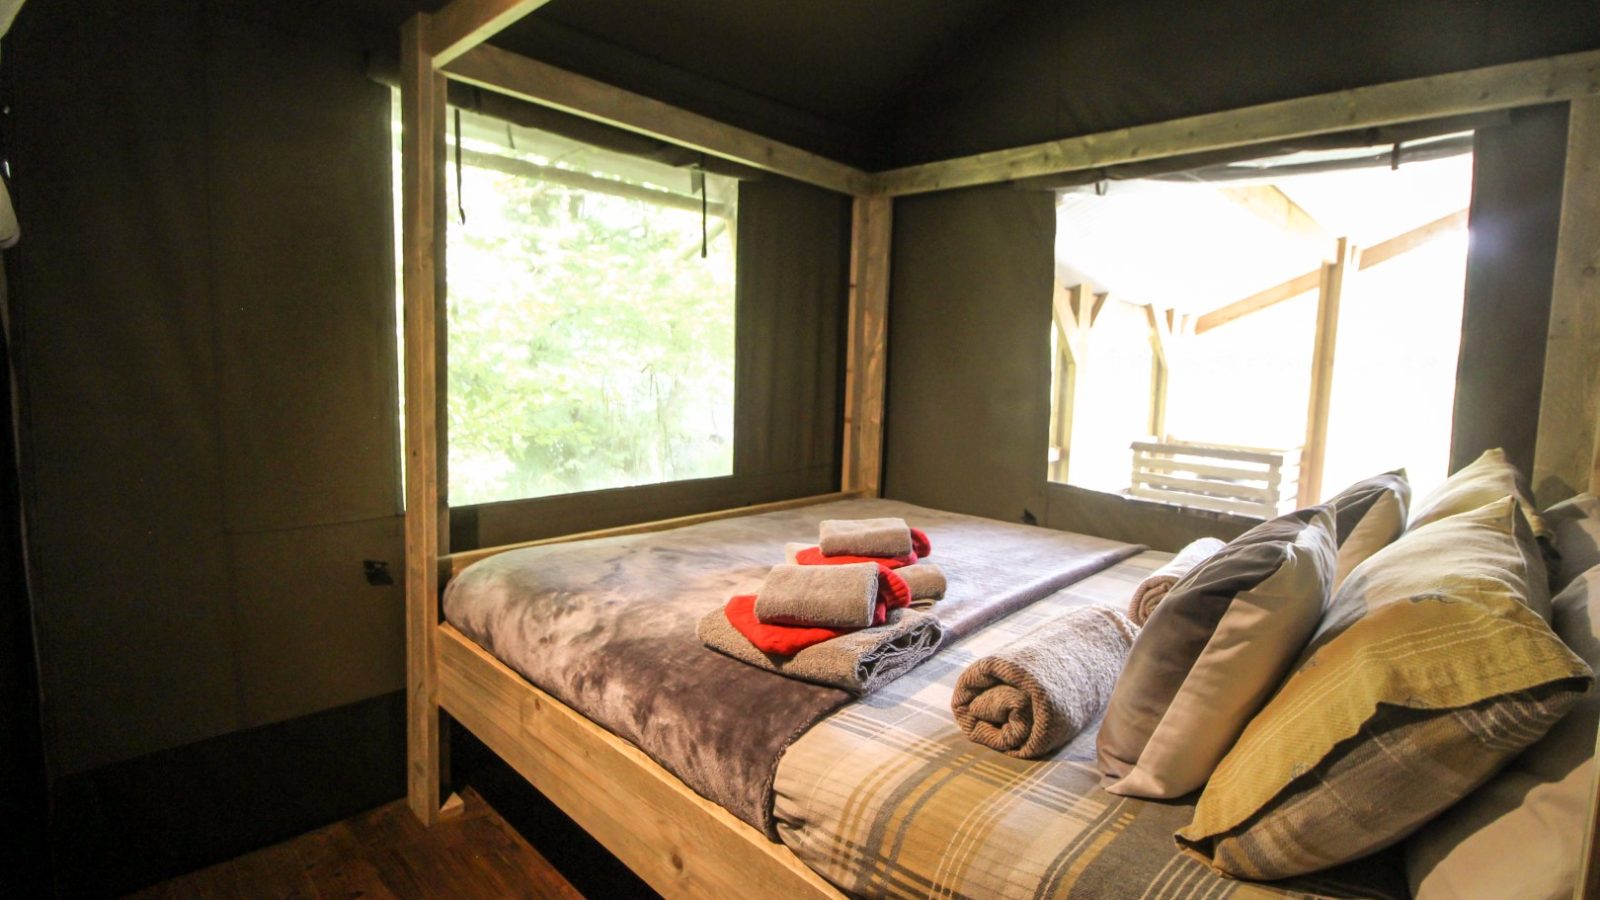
(590, 345)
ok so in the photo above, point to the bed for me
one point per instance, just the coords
(615, 771)
(881, 795)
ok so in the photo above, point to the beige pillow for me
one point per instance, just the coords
(1212, 652)
(1537, 807)
(1489, 477)
(1576, 523)
(1369, 515)
(1434, 673)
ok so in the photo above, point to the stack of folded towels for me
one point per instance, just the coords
(840, 612)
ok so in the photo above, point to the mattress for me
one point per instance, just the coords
(887, 798)
(607, 626)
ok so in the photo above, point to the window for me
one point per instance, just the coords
(1186, 327)
(591, 317)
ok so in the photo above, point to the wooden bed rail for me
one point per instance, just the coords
(451, 564)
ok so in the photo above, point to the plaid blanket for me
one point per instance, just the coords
(887, 798)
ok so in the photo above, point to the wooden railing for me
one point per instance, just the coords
(1244, 480)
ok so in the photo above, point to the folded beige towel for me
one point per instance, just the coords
(858, 662)
(864, 537)
(926, 581)
(1034, 696)
(1154, 588)
(820, 596)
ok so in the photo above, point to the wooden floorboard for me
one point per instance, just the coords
(387, 853)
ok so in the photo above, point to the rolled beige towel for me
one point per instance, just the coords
(819, 596)
(864, 537)
(1034, 696)
(926, 581)
(1151, 591)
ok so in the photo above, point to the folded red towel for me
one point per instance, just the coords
(787, 640)
(780, 640)
(919, 543)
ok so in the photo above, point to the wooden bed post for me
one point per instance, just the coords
(422, 98)
(1567, 457)
(866, 356)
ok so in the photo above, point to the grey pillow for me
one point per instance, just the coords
(1576, 523)
(1369, 516)
(1213, 652)
(1539, 803)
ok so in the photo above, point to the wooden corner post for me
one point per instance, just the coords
(1336, 278)
(422, 98)
(866, 354)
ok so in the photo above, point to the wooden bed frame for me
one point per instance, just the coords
(677, 841)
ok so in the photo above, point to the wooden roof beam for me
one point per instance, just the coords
(464, 24)
(1294, 287)
(536, 82)
(1271, 205)
(1548, 80)
(1411, 240)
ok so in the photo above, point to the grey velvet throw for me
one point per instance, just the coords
(1029, 699)
(607, 626)
(858, 662)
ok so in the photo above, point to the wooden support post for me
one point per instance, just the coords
(1162, 343)
(422, 104)
(866, 359)
(1076, 310)
(1336, 278)
(1567, 458)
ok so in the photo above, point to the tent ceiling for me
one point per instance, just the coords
(824, 75)
(843, 60)
(883, 83)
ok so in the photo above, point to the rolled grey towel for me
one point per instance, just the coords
(822, 596)
(1034, 696)
(926, 581)
(864, 537)
(858, 662)
(1151, 591)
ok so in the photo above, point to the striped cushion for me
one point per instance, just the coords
(1437, 675)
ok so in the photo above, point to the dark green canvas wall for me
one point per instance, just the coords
(205, 333)
(971, 276)
(1047, 69)
(206, 336)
